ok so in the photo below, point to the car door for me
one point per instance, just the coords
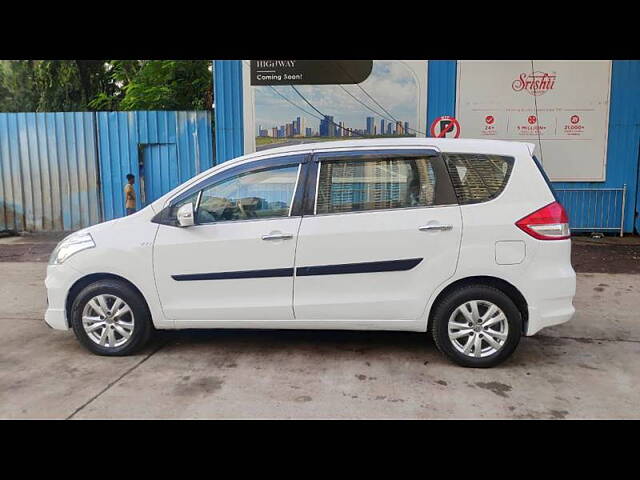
(236, 262)
(380, 234)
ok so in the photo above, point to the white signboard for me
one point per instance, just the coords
(561, 106)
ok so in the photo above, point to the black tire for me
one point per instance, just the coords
(447, 305)
(142, 327)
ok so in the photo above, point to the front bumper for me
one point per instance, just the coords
(59, 280)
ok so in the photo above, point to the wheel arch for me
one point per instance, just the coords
(509, 289)
(83, 282)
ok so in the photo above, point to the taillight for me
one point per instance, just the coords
(548, 223)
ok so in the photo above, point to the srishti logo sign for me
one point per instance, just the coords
(536, 83)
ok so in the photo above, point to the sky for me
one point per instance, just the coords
(391, 83)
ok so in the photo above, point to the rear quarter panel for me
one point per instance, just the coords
(493, 221)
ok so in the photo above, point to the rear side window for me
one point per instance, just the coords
(375, 184)
(476, 177)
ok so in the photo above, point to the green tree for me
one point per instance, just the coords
(159, 85)
(18, 88)
(120, 73)
(69, 85)
(4, 93)
(80, 85)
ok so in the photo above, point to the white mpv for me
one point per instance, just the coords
(461, 238)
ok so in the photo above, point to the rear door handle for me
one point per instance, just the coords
(428, 228)
(277, 236)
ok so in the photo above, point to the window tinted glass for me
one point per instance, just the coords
(262, 194)
(478, 178)
(375, 184)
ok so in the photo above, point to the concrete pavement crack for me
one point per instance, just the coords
(95, 397)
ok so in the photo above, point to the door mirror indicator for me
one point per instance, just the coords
(185, 215)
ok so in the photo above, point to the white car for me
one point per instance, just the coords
(462, 238)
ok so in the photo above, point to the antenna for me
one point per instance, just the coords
(535, 103)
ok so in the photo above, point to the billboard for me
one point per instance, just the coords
(561, 106)
(301, 101)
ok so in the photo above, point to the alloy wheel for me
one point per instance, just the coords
(108, 320)
(478, 328)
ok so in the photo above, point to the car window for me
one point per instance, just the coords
(252, 195)
(375, 184)
(476, 177)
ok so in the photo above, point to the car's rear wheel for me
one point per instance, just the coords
(477, 326)
(110, 318)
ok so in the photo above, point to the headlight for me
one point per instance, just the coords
(69, 246)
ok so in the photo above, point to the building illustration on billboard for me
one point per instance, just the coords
(386, 104)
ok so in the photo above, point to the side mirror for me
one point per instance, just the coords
(185, 215)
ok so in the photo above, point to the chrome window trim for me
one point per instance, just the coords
(384, 210)
(226, 222)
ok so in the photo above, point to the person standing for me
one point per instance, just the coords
(130, 194)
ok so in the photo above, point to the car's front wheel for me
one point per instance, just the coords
(110, 318)
(477, 326)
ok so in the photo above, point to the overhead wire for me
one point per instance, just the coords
(373, 100)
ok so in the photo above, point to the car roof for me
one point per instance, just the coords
(451, 145)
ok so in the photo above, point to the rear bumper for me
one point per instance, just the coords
(552, 301)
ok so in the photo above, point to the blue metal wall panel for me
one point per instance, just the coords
(194, 140)
(228, 100)
(622, 140)
(441, 89)
(175, 146)
(118, 154)
(48, 171)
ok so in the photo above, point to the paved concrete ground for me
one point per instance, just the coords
(587, 368)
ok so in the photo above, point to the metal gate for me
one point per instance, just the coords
(594, 209)
(162, 149)
(158, 170)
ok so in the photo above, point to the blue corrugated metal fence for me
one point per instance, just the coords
(48, 171)
(228, 86)
(52, 164)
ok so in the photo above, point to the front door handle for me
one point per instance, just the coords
(277, 236)
(429, 228)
